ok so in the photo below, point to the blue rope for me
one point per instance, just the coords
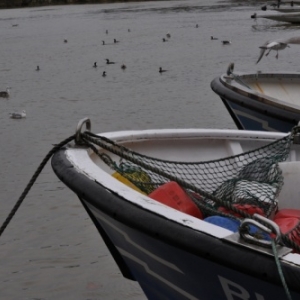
(288, 294)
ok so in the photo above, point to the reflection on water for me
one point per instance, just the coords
(51, 250)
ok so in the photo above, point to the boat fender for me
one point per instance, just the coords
(173, 195)
(224, 222)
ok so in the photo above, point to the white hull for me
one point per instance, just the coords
(167, 250)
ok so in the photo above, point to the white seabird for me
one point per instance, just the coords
(18, 115)
(277, 45)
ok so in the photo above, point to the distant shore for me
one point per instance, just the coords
(37, 3)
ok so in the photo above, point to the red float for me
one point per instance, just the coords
(173, 195)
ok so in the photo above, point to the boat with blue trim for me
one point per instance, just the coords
(193, 213)
(261, 100)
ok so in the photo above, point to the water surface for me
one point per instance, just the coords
(51, 250)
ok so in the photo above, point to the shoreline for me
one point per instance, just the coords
(6, 4)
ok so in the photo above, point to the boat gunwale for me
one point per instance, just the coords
(254, 95)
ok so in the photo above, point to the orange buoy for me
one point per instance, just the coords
(289, 227)
(173, 195)
(287, 224)
(247, 208)
(287, 213)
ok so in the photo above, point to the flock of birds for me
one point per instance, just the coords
(123, 66)
(265, 49)
(22, 114)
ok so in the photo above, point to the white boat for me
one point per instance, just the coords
(193, 213)
(260, 101)
(282, 8)
(289, 17)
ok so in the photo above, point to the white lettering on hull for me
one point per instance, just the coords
(234, 291)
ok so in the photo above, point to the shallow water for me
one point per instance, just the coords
(51, 250)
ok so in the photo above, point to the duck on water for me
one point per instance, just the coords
(6, 93)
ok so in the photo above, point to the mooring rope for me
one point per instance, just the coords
(281, 275)
(32, 180)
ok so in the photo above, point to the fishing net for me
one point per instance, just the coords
(235, 187)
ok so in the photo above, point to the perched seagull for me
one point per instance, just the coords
(6, 93)
(18, 115)
(277, 45)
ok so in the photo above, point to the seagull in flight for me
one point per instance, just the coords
(277, 45)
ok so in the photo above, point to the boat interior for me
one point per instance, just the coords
(282, 87)
(193, 146)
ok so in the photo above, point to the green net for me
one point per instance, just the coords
(222, 186)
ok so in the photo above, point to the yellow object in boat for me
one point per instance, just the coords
(126, 182)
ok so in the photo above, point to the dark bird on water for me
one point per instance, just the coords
(213, 38)
(37, 68)
(161, 70)
(108, 62)
(115, 41)
(95, 65)
(123, 67)
(226, 42)
(103, 74)
(6, 93)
